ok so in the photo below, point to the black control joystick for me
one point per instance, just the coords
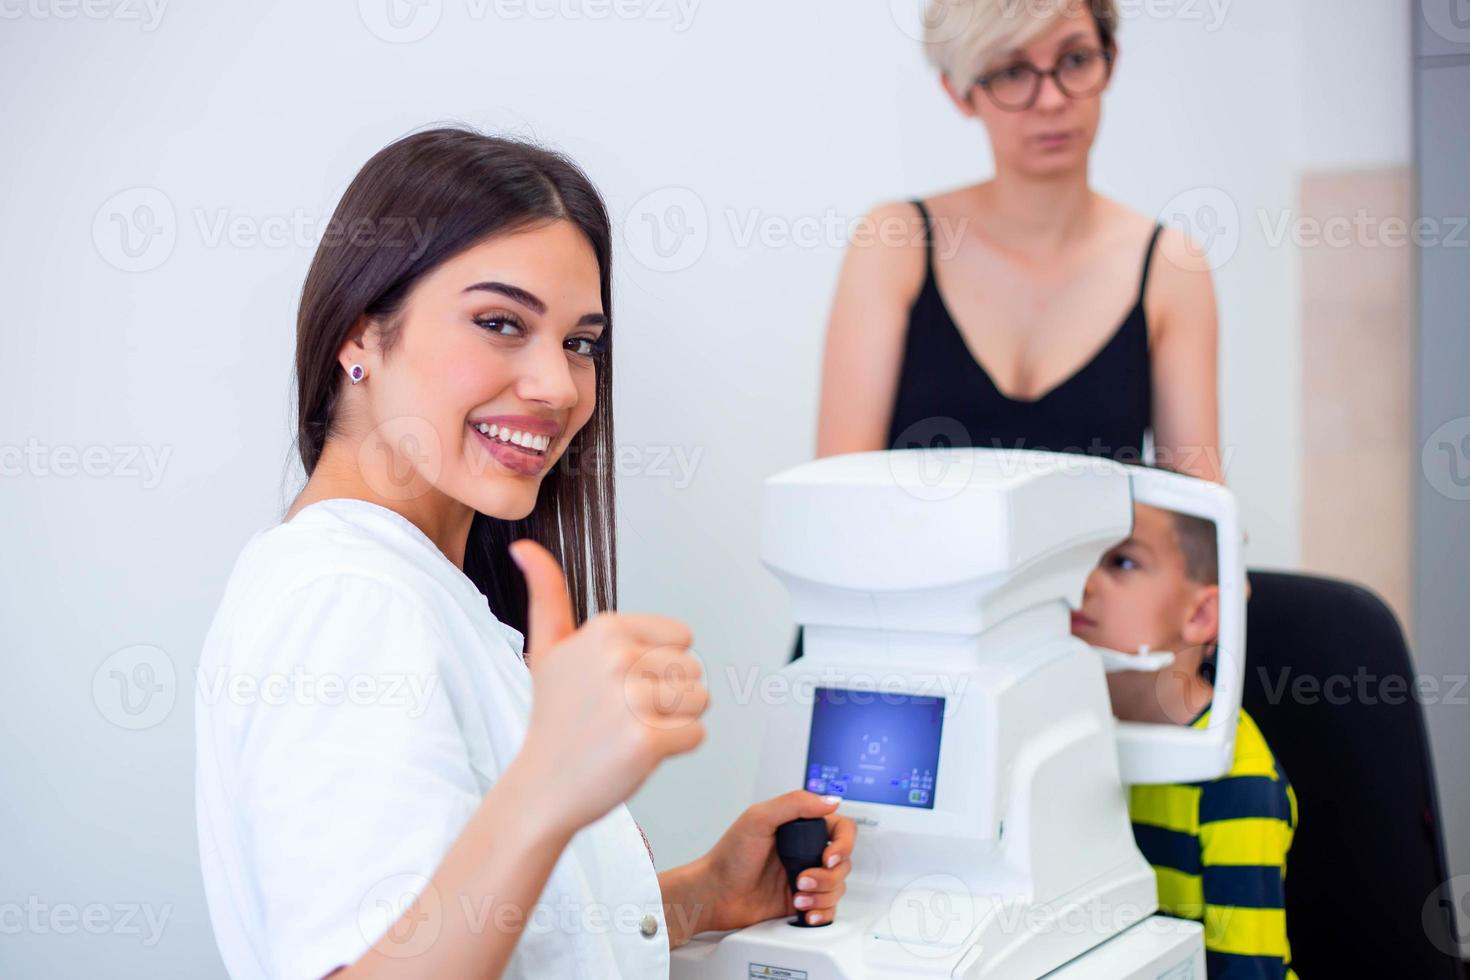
(800, 844)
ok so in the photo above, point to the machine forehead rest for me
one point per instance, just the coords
(921, 519)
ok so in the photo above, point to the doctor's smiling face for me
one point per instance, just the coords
(454, 359)
(479, 384)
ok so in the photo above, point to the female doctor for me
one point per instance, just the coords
(386, 785)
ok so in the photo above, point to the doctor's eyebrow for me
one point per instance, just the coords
(531, 301)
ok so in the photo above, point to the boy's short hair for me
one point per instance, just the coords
(962, 37)
(1196, 537)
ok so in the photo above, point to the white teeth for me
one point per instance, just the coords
(525, 440)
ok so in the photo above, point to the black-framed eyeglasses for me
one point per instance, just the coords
(1078, 74)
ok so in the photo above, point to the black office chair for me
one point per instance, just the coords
(1368, 855)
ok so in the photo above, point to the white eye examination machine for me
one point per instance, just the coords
(942, 695)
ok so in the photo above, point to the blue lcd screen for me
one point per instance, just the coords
(874, 747)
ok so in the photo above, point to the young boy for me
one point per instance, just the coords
(1218, 847)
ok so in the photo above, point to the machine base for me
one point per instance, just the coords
(1158, 948)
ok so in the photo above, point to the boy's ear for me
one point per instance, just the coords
(1202, 619)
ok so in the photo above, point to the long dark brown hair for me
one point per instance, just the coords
(415, 204)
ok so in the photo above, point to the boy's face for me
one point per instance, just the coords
(1140, 593)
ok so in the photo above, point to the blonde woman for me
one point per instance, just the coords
(1025, 311)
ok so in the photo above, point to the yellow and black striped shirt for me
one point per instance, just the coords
(1219, 849)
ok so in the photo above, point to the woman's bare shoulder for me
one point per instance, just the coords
(1175, 254)
(886, 249)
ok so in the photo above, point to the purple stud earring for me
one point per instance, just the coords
(355, 373)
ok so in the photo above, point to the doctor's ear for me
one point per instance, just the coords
(360, 353)
(1202, 619)
(961, 100)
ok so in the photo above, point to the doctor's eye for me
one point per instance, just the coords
(591, 347)
(500, 323)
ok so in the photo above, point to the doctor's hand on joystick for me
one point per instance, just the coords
(749, 877)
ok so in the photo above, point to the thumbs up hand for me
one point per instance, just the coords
(610, 700)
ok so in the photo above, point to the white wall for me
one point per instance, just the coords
(759, 109)
(1356, 66)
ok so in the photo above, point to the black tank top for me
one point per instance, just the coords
(946, 398)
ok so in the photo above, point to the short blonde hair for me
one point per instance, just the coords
(963, 37)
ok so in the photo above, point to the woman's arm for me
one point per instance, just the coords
(506, 853)
(881, 276)
(1181, 307)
